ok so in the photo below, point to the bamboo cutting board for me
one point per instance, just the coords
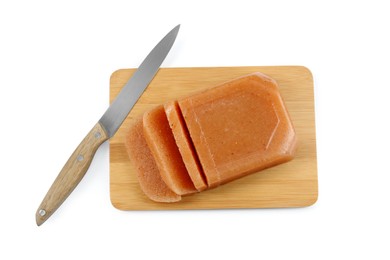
(293, 184)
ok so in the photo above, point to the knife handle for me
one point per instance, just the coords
(72, 173)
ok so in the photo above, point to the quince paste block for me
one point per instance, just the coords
(239, 127)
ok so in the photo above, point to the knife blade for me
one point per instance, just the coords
(80, 160)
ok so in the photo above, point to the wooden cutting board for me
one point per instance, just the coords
(293, 184)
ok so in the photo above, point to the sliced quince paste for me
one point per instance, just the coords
(185, 145)
(162, 145)
(213, 137)
(145, 166)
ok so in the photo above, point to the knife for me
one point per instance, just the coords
(80, 160)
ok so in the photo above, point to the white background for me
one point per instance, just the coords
(55, 63)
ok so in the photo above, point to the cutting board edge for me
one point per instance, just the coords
(310, 203)
(120, 70)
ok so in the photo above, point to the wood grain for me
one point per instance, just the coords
(71, 174)
(293, 184)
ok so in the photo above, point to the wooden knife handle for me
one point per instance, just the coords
(72, 173)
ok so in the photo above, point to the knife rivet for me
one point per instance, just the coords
(42, 212)
(80, 158)
(98, 135)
